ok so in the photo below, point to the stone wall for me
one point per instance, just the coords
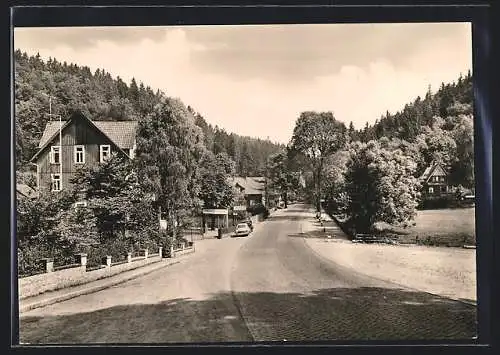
(54, 280)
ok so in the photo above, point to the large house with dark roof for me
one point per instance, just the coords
(252, 189)
(434, 180)
(79, 141)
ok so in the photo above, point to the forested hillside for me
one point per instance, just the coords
(448, 102)
(438, 127)
(100, 96)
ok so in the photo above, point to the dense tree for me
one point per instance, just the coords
(462, 168)
(334, 177)
(215, 191)
(282, 177)
(169, 147)
(42, 230)
(317, 136)
(381, 186)
(121, 206)
(435, 145)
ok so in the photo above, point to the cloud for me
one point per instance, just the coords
(358, 88)
(84, 37)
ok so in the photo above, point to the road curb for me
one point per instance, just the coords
(70, 295)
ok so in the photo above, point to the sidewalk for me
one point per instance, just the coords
(329, 229)
(52, 297)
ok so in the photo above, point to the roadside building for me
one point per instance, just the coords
(250, 190)
(435, 181)
(79, 141)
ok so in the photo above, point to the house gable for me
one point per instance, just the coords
(435, 169)
(79, 132)
(51, 134)
(438, 171)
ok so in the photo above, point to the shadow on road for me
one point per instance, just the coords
(341, 314)
(311, 234)
(320, 233)
(288, 217)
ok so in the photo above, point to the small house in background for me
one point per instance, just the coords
(79, 141)
(252, 188)
(434, 181)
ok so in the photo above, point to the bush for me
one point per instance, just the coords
(258, 209)
(29, 259)
(450, 240)
(31, 251)
(117, 249)
(439, 202)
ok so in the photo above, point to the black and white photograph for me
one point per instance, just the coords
(197, 184)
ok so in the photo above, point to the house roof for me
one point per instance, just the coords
(253, 185)
(26, 191)
(122, 133)
(430, 170)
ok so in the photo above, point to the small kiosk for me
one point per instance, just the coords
(215, 218)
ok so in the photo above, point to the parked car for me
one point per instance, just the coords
(250, 225)
(242, 229)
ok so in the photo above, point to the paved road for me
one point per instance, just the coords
(266, 287)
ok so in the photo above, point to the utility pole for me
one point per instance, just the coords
(60, 141)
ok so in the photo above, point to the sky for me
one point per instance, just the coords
(256, 80)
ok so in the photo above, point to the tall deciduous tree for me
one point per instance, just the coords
(282, 177)
(462, 168)
(436, 144)
(169, 147)
(334, 177)
(216, 192)
(317, 135)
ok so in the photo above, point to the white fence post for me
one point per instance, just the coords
(108, 261)
(83, 260)
(49, 264)
(160, 252)
(129, 257)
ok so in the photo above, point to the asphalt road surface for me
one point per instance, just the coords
(266, 287)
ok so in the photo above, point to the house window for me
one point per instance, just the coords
(55, 154)
(104, 152)
(56, 182)
(80, 204)
(431, 190)
(79, 154)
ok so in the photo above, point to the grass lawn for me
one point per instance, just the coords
(452, 227)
